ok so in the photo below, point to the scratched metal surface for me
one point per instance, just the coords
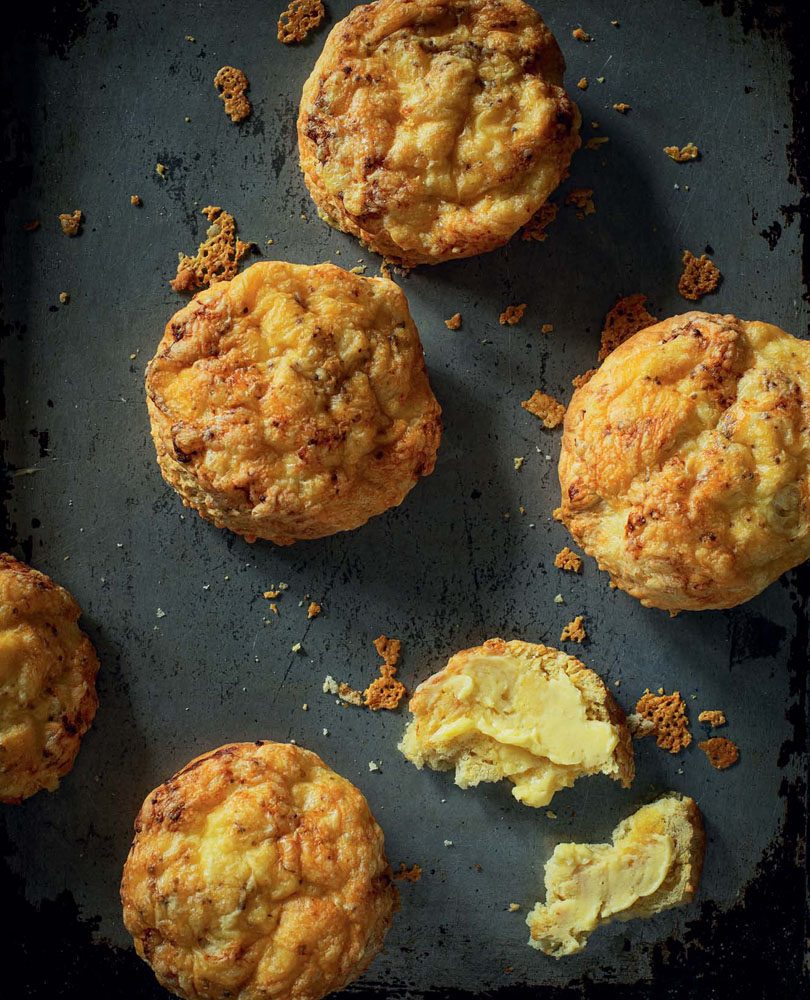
(99, 106)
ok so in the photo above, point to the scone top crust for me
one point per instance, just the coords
(257, 872)
(292, 402)
(434, 129)
(520, 711)
(685, 464)
(47, 681)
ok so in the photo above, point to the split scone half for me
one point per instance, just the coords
(257, 872)
(292, 402)
(434, 129)
(654, 863)
(48, 673)
(520, 711)
(685, 463)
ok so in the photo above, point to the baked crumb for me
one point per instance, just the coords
(217, 259)
(64, 298)
(232, 85)
(454, 323)
(581, 199)
(546, 407)
(160, 169)
(405, 874)
(350, 695)
(667, 713)
(579, 380)
(518, 461)
(684, 154)
(597, 141)
(135, 199)
(568, 560)
(627, 317)
(386, 691)
(314, 610)
(513, 907)
(700, 277)
(71, 222)
(622, 108)
(581, 35)
(535, 228)
(574, 631)
(547, 328)
(31, 226)
(714, 717)
(721, 751)
(300, 17)
(512, 315)
(330, 685)
(271, 595)
(583, 83)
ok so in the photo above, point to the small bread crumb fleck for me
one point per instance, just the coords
(574, 631)
(64, 298)
(386, 691)
(330, 685)
(581, 35)
(597, 141)
(581, 199)
(350, 695)
(405, 874)
(546, 407)
(547, 328)
(700, 277)
(512, 315)
(583, 83)
(71, 222)
(454, 323)
(513, 907)
(568, 560)
(535, 228)
(217, 258)
(626, 318)
(160, 169)
(684, 154)
(667, 713)
(721, 751)
(373, 765)
(300, 17)
(518, 461)
(622, 108)
(714, 717)
(232, 85)
(314, 610)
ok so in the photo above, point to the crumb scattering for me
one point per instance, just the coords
(454, 323)
(622, 108)
(581, 34)
(546, 407)
(574, 631)
(71, 222)
(568, 560)
(405, 874)
(300, 17)
(627, 317)
(582, 200)
(683, 154)
(721, 751)
(670, 723)
(386, 691)
(217, 258)
(232, 85)
(314, 610)
(535, 228)
(700, 276)
(714, 717)
(512, 314)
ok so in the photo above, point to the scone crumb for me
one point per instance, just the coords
(330, 685)
(579, 380)
(454, 323)
(568, 560)
(597, 141)
(232, 85)
(574, 631)
(518, 461)
(300, 17)
(217, 258)
(684, 154)
(581, 34)
(64, 298)
(546, 407)
(71, 222)
(512, 314)
(547, 328)
(582, 199)
(314, 610)
(626, 318)
(667, 713)
(373, 765)
(535, 228)
(721, 751)
(405, 874)
(714, 717)
(135, 199)
(622, 108)
(559, 599)
(513, 907)
(160, 170)
(350, 695)
(583, 83)
(700, 276)
(386, 691)
(271, 595)
(550, 814)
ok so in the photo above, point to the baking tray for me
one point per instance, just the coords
(95, 96)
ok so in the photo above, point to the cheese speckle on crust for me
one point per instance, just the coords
(434, 131)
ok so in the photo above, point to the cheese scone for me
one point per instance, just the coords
(257, 872)
(47, 681)
(685, 461)
(520, 711)
(293, 402)
(653, 864)
(435, 129)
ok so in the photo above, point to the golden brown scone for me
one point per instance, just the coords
(520, 711)
(293, 402)
(47, 681)
(257, 872)
(654, 863)
(684, 464)
(435, 129)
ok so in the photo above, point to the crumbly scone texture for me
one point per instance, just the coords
(470, 759)
(257, 872)
(293, 402)
(434, 129)
(48, 673)
(684, 465)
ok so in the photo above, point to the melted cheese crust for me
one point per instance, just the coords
(435, 129)
(47, 681)
(685, 464)
(257, 872)
(293, 402)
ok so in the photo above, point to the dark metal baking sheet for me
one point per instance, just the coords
(96, 95)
